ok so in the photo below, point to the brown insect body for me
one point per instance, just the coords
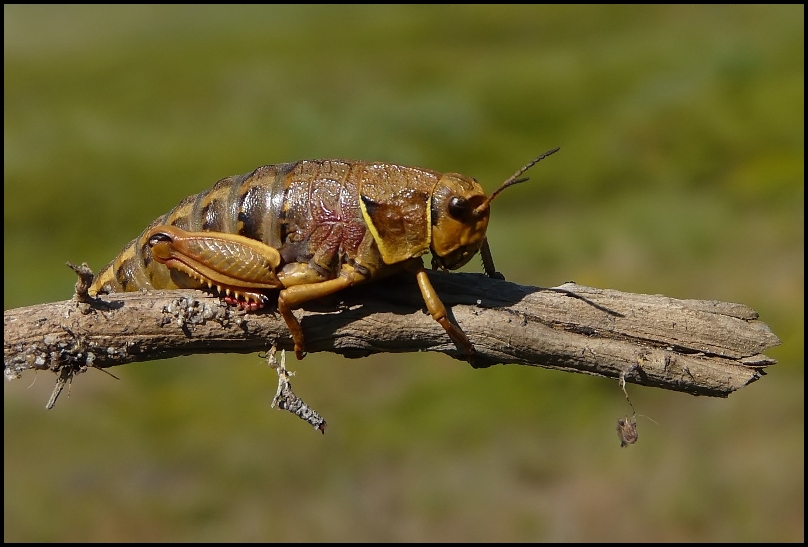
(309, 229)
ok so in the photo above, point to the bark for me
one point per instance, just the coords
(695, 346)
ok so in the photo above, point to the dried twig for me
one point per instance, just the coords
(700, 347)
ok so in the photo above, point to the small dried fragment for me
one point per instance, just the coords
(286, 399)
(627, 431)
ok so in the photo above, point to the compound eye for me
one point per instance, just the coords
(458, 208)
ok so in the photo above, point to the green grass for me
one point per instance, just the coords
(681, 173)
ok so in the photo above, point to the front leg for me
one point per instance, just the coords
(488, 261)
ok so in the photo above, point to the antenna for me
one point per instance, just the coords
(514, 179)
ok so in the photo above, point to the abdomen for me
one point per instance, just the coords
(308, 210)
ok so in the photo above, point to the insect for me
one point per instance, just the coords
(311, 228)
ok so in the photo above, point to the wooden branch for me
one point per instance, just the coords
(700, 347)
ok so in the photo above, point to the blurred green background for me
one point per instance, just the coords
(681, 173)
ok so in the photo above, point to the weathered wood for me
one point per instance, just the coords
(700, 347)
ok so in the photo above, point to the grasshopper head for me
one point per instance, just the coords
(459, 220)
(460, 212)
